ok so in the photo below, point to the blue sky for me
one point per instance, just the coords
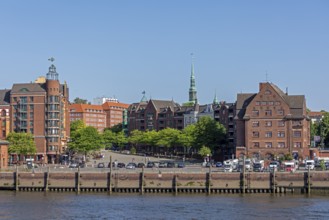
(121, 48)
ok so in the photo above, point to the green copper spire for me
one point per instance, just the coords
(215, 102)
(192, 90)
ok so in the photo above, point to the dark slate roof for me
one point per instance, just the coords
(28, 87)
(159, 104)
(4, 97)
(243, 100)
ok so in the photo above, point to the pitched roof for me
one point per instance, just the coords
(28, 87)
(158, 104)
(4, 97)
(108, 105)
(84, 107)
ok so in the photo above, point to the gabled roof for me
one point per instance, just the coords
(28, 87)
(5, 97)
(158, 104)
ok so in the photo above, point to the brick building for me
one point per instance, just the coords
(4, 113)
(115, 112)
(91, 115)
(3, 154)
(272, 123)
(41, 108)
(224, 113)
(154, 115)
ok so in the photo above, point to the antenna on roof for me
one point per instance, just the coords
(286, 90)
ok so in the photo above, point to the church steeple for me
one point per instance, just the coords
(215, 102)
(192, 90)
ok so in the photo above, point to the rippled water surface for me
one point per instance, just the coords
(52, 205)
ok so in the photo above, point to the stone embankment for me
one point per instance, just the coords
(167, 182)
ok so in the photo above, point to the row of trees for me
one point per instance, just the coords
(206, 134)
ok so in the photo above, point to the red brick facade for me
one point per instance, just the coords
(271, 124)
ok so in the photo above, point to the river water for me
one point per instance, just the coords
(55, 205)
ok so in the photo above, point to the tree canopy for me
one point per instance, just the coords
(86, 139)
(78, 100)
(209, 132)
(21, 143)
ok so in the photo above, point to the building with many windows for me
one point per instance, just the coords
(115, 112)
(4, 113)
(271, 123)
(41, 108)
(91, 115)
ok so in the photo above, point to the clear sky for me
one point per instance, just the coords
(121, 48)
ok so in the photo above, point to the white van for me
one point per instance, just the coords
(309, 164)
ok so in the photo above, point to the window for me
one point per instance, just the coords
(268, 134)
(277, 103)
(31, 98)
(270, 103)
(267, 92)
(297, 134)
(257, 103)
(296, 123)
(281, 133)
(255, 134)
(264, 103)
(268, 144)
(268, 123)
(281, 123)
(255, 113)
(255, 123)
(281, 145)
(297, 144)
(255, 144)
(268, 112)
(280, 112)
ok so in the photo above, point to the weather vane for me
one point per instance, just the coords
(51, 59)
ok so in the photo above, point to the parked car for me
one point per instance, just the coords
(150, 164)
(131, 166)
(181, 165)
(219, 164)
(162, 164)
(170, 165)
(100, 165)
(121, 165)
(140, 165)
(73, 165)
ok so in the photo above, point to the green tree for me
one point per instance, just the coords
(209, 133)
(86, 139)
(136, 137)
(108, 138)
(120, 139)
(78, 100)
(75, 126)
(21, 144)
(324, 128)
(116, 128)
(168, 138)
(205, 151)
(187, 138)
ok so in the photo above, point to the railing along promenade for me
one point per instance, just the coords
(174, 180)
